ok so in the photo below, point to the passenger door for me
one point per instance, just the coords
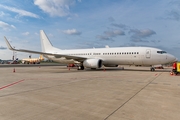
(148, 53)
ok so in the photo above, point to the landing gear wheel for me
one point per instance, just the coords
(152, 69)
(80, 68)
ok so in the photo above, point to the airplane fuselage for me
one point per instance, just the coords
(118, 56)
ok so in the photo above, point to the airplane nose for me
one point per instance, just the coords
(171, 58)
(175, 60)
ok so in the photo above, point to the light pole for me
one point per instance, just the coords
(13, 58)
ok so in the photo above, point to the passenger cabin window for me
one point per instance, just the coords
(118, 53)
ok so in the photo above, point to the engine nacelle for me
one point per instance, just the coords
(111, 65)
(92, 63)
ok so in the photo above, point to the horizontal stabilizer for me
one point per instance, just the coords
(8, 44)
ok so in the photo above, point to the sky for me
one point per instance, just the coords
(76, 24)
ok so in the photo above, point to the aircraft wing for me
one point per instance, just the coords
(45, 53)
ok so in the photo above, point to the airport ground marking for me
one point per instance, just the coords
(151, 80)
(6, 86)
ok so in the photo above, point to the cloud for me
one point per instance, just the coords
(58, 8)
(122, 26)
(174, 12)
(36, 33)
(2, 14)
(6, 26)
(156, 41)
(2, 48)
(26, 33)
(19, 11)
(174, 15)
(114, 33)
(108, 35)
(72, 32)
(103, 37)
(111, 19)
(50, 35)
(139, 35)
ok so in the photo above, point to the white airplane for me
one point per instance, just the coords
(97, 57)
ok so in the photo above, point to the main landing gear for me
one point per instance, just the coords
(152, 69)
(80, 67)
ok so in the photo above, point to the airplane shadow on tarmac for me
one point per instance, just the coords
(125, 69)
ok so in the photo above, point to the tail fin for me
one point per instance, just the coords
(45, 43)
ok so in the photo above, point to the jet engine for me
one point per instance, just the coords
(92, 63)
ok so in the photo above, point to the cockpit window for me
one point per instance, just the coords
(161, 52)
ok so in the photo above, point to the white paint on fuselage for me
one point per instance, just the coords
(118, 56)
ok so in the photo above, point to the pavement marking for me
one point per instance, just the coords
(154, 83)
(150, 82)
(6, 86)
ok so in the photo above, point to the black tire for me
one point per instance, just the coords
(152, 69)
(80, 68)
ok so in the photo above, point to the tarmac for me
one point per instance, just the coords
(60, 93)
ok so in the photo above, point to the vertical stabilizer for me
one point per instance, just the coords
(45, 43)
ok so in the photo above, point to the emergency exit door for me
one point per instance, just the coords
(148, 53)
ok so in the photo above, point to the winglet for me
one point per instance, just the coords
(8, 44)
